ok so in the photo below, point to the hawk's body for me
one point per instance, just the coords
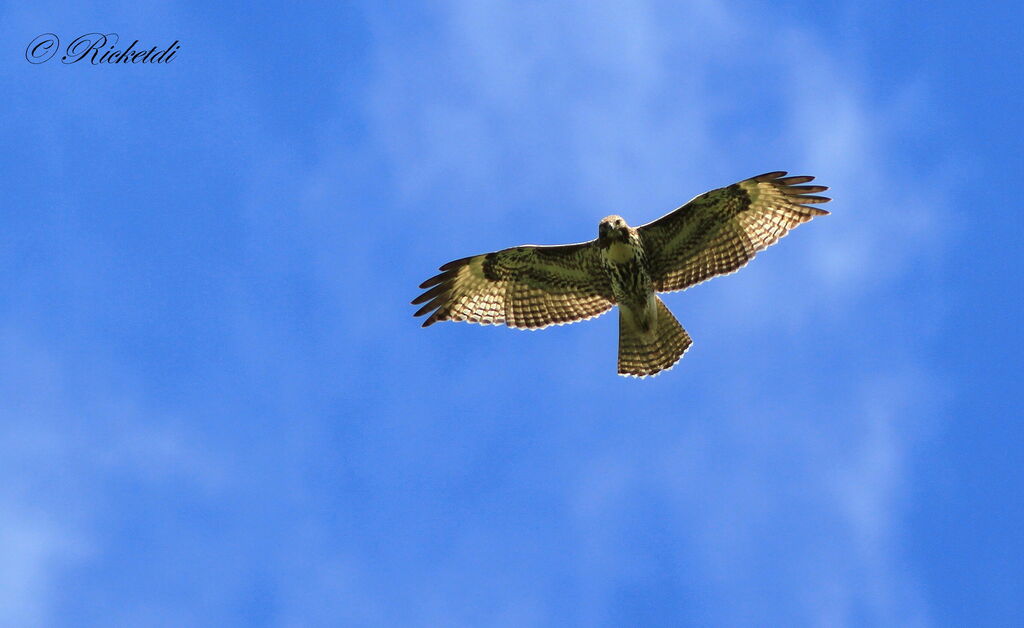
(625, 264)
(649, 336)
(535, 286)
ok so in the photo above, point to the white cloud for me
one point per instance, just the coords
(33, 549)
(63, 447)
(529, 123)
(649, 101)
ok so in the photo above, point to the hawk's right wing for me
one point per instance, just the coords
(525, 286)
(720, 231)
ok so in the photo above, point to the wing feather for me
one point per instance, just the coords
(525, 286)
(720, 231)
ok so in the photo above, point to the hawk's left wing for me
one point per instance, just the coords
(525, 286)
(720, 231)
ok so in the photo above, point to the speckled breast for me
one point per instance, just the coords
(626, 265)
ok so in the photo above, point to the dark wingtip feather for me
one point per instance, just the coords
(806, 200)
(437, 288)
(769, 176)
(455, 263)
(436, 279)
(433, 304)
(793, 190)
(796, 180)
(802, 194)
(430, 294)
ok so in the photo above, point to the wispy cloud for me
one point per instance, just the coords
(69, 438)
(369, 472)
(643, 103)
(35, 549)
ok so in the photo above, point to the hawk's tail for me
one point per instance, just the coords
(642, 354)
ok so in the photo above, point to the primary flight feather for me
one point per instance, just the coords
(533, 286)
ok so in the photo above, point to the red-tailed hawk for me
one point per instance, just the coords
(535, 286)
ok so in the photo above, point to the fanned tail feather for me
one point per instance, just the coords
(641, 355)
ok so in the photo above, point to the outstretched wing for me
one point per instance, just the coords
(720, 231)
(525, 286)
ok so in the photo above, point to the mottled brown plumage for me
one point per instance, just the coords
(535, 286)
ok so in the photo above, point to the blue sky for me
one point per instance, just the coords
(217, 410)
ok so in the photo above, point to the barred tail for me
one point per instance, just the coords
(642, 354)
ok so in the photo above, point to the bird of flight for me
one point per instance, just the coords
(534, 286)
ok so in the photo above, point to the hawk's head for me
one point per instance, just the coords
(612, 229)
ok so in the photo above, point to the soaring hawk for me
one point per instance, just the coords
(535, 286)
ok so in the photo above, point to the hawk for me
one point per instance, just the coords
(533, 286)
